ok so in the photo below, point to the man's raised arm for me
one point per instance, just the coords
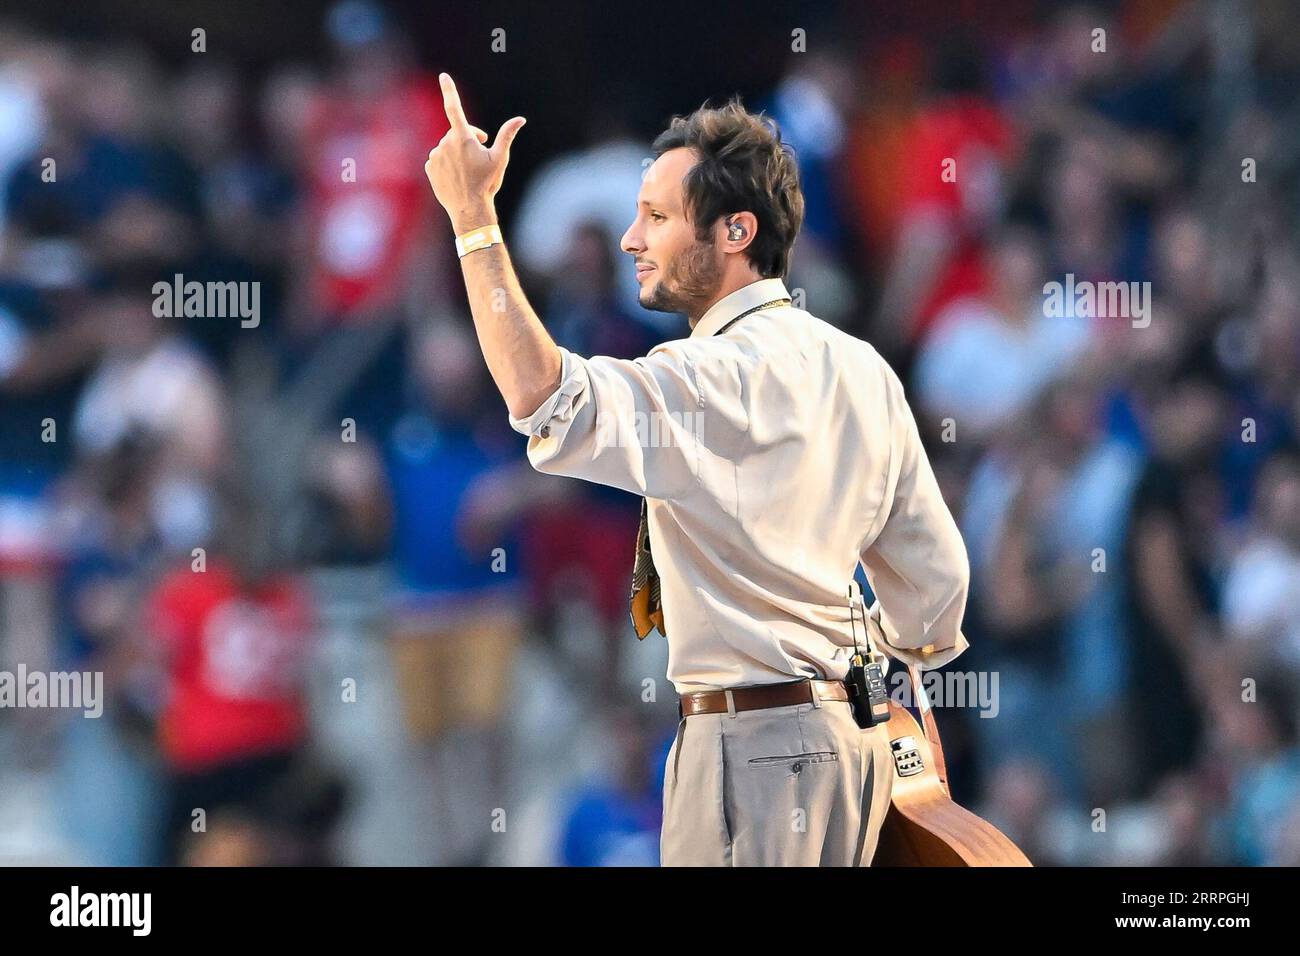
(465, 175)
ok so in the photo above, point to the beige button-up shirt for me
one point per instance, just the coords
(774, 457)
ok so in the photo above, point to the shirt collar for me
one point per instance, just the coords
(733, 304)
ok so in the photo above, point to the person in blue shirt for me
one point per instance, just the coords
(616, 822)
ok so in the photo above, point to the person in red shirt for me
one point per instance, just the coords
(369, 259)
(957, 151)
(368, 213)
(233, 639)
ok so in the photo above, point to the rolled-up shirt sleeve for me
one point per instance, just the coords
(628, 423)
(917, 566)
(555, 413)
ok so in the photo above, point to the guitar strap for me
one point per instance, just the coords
(930, 724)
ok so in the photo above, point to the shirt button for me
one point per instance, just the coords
(546, 431)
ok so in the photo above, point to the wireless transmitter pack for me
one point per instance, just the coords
(866, 678)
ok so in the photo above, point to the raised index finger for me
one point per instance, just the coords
(451, 103)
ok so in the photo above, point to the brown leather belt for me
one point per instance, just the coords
(762, 696)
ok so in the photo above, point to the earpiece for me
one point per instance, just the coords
(735, 232)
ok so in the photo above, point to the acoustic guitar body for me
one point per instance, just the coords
(924, 827)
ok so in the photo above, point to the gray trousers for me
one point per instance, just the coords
(784, 786)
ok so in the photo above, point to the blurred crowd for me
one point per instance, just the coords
(338, 612)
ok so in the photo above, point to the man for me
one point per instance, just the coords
(774, 453)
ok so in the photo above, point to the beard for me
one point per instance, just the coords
(689, 280)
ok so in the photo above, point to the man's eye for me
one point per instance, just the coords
(658, 216)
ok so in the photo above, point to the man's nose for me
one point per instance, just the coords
(631, 242)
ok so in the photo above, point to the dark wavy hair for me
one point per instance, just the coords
(743, 166)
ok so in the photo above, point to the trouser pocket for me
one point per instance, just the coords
(793, 763)
(675, 752)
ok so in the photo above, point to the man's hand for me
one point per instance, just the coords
(465, 174)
